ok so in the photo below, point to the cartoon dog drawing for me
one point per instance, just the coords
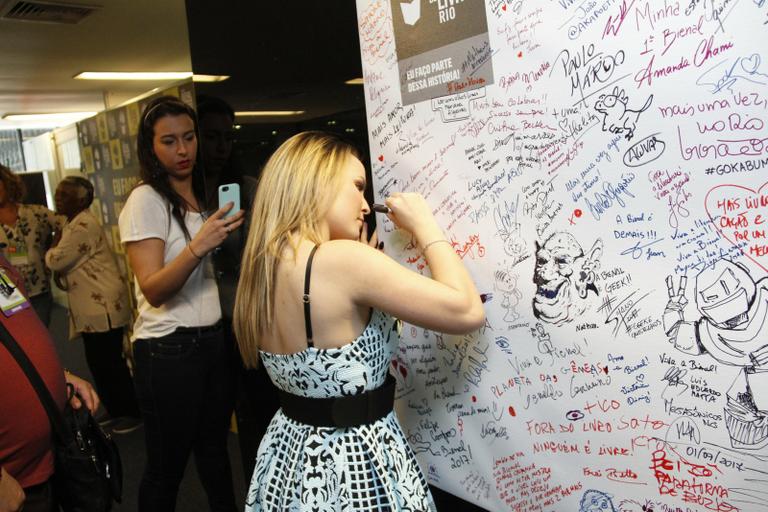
(617, 118)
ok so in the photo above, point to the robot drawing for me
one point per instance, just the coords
(733, 330)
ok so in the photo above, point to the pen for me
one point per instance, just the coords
(380, 208)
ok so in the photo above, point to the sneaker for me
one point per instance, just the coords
(126, 425)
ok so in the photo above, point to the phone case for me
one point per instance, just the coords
(230, 192)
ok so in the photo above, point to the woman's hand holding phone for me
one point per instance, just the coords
(216, 229)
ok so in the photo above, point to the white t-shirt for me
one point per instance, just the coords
(147, 215)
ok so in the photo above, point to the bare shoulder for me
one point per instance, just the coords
(359, 269)
(351, 265)
(348, 256)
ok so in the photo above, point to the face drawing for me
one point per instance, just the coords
(563, 276)
(596, 501)
(514, 247)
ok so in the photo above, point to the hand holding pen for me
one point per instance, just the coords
(411, 212)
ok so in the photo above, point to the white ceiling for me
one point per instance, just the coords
(38, 60)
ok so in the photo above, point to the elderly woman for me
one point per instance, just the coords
(27, 231)
(98, 306)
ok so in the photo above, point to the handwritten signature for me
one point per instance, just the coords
(742, 68)
(636, 251)
(624, 312)
(674, 380)
(677, 208)
(611, 194)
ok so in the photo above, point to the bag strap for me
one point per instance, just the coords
(54, 415)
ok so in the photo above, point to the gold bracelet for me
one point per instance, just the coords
(189, 246)
(424, 250)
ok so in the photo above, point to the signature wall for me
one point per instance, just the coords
(600, 167)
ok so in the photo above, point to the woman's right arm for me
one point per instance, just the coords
(447, 302)
(66, 254)
(160, 282)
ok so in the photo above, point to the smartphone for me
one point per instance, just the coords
(230, 192)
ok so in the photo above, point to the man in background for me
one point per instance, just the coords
(26, 456)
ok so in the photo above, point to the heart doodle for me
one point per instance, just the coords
(751, 63)
(739, 214)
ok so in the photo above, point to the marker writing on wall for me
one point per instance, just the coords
(576, 213)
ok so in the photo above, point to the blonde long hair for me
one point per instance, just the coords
(295, 191)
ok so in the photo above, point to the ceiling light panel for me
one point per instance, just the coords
(133, 75)
(257, 113)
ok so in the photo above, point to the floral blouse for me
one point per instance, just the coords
(97, 293)
(26, 243)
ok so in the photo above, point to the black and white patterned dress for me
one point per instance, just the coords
(368, 467)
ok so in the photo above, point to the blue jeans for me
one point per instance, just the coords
(185, 387)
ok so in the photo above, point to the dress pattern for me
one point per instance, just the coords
(31, 236)
(300, 467)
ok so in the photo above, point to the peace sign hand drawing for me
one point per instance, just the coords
(673, 312)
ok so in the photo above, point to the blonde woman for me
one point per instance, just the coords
(317, 308)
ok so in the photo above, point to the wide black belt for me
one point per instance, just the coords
(343, 411)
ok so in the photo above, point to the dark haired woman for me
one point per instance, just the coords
(27, 232)
(183, 379)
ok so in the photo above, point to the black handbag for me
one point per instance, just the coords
(88, 473)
